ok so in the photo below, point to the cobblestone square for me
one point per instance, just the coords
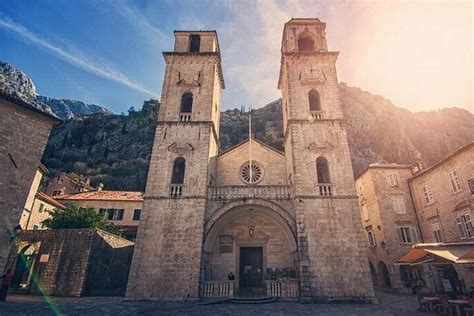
(389, 304)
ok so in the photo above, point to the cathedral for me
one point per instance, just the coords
(251, 220)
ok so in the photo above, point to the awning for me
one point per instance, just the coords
(439, 253)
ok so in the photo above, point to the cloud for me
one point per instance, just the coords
(75, 58)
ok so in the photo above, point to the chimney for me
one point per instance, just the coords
(100, 187)
(88, 180)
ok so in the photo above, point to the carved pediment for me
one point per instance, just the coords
(180, 148)
(311, 76)
(320, 146)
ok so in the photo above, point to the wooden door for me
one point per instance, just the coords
(251, 267)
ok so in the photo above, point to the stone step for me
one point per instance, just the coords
(253, 300)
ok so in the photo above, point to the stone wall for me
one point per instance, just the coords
(230, 163)
(23, 137)
(65, 258)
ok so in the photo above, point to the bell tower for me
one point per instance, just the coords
(167, 256)
(331, 244)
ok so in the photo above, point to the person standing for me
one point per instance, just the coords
(7, 278)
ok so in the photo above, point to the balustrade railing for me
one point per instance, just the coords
(176, 190)
(185, 117)
(282, 288)
(243, 191)
(325, 189)
(218, 289)
(317, 115)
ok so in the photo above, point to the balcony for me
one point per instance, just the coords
(275, 192)
(325, 189)
(176, 190)
(317, 115)
(185, 117)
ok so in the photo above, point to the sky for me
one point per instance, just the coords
(418, 54)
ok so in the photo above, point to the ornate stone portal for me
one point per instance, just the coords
(286, 225)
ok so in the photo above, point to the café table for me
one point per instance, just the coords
(459, 304)
(431, 301)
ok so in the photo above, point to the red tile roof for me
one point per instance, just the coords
(103, 196)
(46, 198)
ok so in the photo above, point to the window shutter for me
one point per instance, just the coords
(400, 235)
(462, 233)
(414, 235)
(469, 228)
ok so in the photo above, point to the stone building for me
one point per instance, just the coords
(443, 196)
(63, 183)
(24, 131)
(444, 200)
(123, 208)
(389, 221)
(269, 223)
(70, 262)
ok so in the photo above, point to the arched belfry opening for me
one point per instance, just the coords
(305, 44)
(179, 166)
(187, 103)
(314, 101)
(322, 170)
(194, 43)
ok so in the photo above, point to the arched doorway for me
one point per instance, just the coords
(383, 275)
(24, 266)
(373, 274)
(253, 243)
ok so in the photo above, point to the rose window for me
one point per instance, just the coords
(251, 173)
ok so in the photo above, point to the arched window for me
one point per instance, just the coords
(322, 170)
(305, 44)
(179, 167)
(314, 100)
(187, 103)
(194, 43)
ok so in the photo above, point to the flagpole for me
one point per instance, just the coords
(250, 144)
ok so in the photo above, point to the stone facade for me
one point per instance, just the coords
(204, 212)
(386, 207)
(24, 132)
(70, 262)
(448, 201)
(448, 216)
(63, 184)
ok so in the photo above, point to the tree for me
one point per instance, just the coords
(74, 216)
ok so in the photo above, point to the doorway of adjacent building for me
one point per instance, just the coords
(251, 271)
(23, 270)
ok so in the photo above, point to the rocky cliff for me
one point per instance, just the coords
(116, 149)
(17, 83)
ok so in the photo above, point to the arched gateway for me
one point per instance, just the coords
(251, 219)
(255, 242)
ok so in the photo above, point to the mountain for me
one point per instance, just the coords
(17, 83)
(68, 109)
(115, 149)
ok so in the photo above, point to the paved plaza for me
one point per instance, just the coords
(389, 304)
